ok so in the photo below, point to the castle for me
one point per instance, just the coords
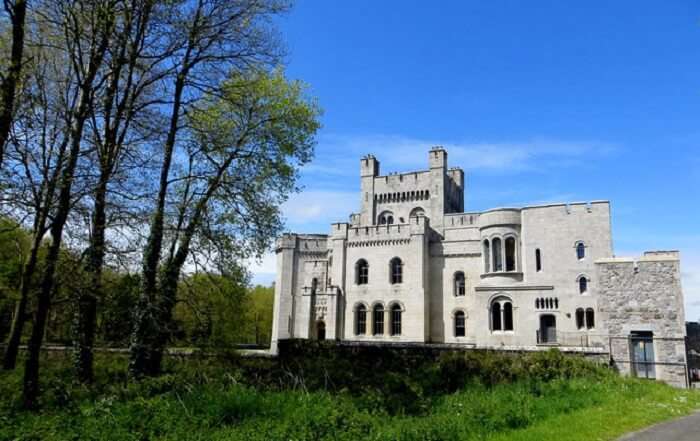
(413, 267)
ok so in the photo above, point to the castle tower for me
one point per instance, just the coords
(369, 169)
(437, 158)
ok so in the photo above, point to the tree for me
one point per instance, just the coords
(88, 29)
(132, 70)
(245, 149)
(9, 82)
(206, 39)
(35, 157)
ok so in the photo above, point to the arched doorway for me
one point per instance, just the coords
(548, 329)
(320, 331)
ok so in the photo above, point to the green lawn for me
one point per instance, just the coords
(205, 401)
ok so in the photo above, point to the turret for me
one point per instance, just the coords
(369, 169)
(437, 158)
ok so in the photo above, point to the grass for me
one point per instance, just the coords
(239, 400)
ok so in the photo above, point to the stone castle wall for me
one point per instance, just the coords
(644, 296)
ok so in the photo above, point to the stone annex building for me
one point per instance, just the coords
(413, 267)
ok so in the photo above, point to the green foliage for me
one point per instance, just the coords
(218, 313)
(205, 399)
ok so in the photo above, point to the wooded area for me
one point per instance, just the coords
(145, 149)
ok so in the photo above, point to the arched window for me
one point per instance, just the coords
(497, 257)
(487, 257)
(396, 271)
(590, 318)
(510, 254)
(538, 260)
(580, 251)
(314, 285)
(585, 319)
(501, 314)
(507, 316)
(378, 320)
(361, 320)
(460, 285)
(496, 317)
(396, 320)
(362, 272)
(582, 285)
(417, 212)
(460, 328)
(386, 218)
(580, 318)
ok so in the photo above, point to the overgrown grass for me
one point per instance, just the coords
(459, 397)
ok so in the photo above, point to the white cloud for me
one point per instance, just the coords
(320, 206)
(343, 152)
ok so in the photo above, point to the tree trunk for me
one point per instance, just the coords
(10, 358)
(12, 80)
(31, 370)
(143, 340)
(86, 312)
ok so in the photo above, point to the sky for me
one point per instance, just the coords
(545, 101)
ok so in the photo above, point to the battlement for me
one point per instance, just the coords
(461, 220)
(302, 242)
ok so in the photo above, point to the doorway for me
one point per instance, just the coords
(548, 329)
(320, 331)
(642, 351)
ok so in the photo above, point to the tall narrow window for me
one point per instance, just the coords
(590, 319)
(487, 257)
(580, 251)
(460, 330)
(580, 319)
(362, 272)
(396, 320)
(538, 260)
(507, 316)
(582, 285)
(496, 316)
(460, 285)
(361, 320)
(378, 320)
(510, 254)
(497, 255)
(396, 270)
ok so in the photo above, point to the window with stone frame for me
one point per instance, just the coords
(460, 324)
(362, 272)
(396, 271)
(361, 320)
(378, 320)
(460, 289)
(501, 314)
(497, 255)
(396, 319)
(582, 285)
(510, 253)
(487, 256)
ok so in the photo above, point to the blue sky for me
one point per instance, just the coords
(537, 101)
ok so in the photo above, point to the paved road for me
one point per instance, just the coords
(683, 429)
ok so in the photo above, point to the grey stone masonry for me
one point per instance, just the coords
(644, 297)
